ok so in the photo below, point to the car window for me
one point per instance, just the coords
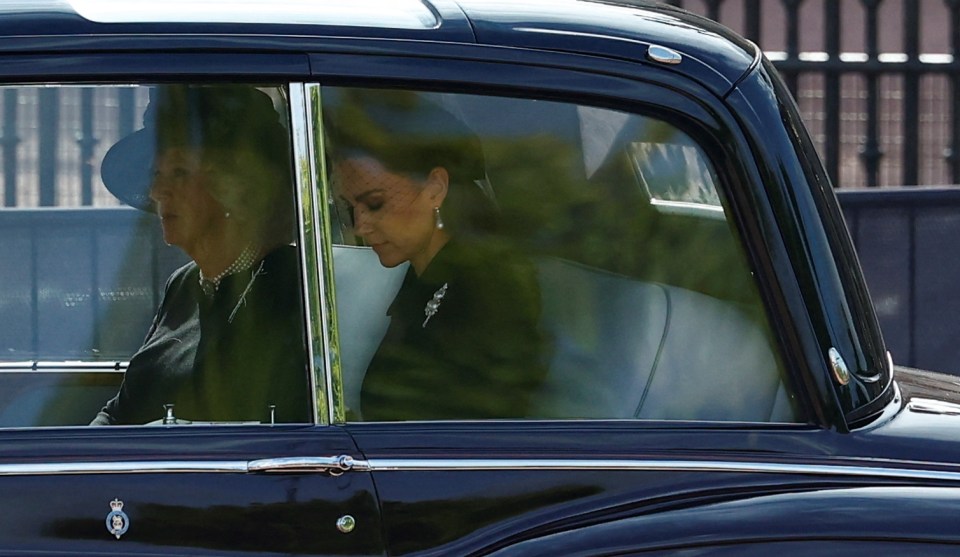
(519, 258)
(116, 197)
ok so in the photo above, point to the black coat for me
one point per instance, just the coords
(222, 358)
(480, 356)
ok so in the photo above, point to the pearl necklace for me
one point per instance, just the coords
(244, 261)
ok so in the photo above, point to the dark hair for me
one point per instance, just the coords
(411, 135)
(239, 133)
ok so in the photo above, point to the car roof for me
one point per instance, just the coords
(611, 29)
(616, 29)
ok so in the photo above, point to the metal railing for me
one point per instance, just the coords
(79, 284)
(877, 81)
(52, 139)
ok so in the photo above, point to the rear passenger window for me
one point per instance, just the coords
(500, 258)
(150, 271)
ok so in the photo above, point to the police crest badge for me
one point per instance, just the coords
(117, 521)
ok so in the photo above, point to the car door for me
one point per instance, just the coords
(185, 490)
(82, 277)
(668, 381)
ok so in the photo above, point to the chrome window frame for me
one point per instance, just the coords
(313, 209)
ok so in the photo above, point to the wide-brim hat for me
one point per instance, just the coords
(410, 133)
(221, 117)
(406, 131)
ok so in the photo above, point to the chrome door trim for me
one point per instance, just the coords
(628, 465)
(312, 229)
(138, 467)
(42, 366)
(336, 465)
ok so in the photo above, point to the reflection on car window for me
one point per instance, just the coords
(674, 175)
(120, 200)
(411, 177)
(516, 258)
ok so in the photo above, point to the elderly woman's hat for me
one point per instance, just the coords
(209, 117)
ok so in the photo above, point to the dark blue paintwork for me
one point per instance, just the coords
(718, 57)
(828, 279)
(583, 50)
(827, 521)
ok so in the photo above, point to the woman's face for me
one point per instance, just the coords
(394, 214)
(188, 213)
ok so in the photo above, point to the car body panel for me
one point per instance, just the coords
(822, 521)
(182, 487)
(576, 478)
(710, 54)
(104, 66)
(828, 274)
(573, 487)
(651, 474)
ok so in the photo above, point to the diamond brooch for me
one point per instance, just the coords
(434, 304)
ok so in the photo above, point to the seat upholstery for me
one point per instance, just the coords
(621, 348)
(630, 349)
(364, 291)
(595, 322)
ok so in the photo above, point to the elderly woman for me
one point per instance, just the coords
(463, 339)
(227, 342)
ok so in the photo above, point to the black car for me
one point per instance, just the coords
(436, 278)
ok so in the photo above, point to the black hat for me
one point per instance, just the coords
(222, 117)
(406, 131)
(410, 133)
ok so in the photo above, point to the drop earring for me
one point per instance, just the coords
(226, 215)
(437, 219)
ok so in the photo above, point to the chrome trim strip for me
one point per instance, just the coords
(140, 467)
(326, 464)
(65, 366)
(424, 465)
(343, 463)
(309, 236)
(321, 198)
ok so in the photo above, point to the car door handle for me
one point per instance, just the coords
(333, 465)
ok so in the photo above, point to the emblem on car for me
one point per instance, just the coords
(117, 521)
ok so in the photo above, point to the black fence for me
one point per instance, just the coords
(79, 284)
(52, 139)
(877, 81)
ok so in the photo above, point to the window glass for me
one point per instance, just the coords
(518, 258)
(116, 201)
